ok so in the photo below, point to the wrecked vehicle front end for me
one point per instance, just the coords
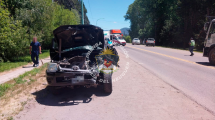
(72, 53)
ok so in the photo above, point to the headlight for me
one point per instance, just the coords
(52, 67)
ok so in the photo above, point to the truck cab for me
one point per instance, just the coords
(209, 44)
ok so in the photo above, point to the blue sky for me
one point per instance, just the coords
(112, 11)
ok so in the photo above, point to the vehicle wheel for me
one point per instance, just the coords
(108, 83)
(146, 45)
(212, 56)
(132, 44)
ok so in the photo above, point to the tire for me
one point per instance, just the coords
(146, 45)
(108, 84)
(212, 56)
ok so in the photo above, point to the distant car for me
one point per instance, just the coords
(136, 41)
(150, 41)
(121, 40)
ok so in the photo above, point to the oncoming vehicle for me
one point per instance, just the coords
(209, 44)
(74, 58)
(118, 40)
(136, 41)
(150, 41)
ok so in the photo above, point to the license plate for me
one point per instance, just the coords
(77, 79)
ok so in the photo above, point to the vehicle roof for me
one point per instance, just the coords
(116, 31)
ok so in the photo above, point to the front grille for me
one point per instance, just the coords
(61, 79)
(87, 77)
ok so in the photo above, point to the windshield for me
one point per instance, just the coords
(86, 47)
(119, 37)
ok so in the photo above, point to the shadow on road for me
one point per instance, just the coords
(205, 64)
(68, 96)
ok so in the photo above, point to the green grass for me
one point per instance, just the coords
(20, 80)
(21, 61)
(4, 88)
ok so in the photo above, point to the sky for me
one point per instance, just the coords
(108, 14)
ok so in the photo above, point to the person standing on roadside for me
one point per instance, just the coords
(35, 50)
(192, 44)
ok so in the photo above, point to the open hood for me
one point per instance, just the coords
(72, 36)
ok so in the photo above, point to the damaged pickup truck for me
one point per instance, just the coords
(73, 58)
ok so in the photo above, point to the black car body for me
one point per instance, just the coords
(73, 61)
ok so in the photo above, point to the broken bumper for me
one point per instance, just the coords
(70, 78)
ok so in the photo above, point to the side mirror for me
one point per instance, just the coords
(206, 26)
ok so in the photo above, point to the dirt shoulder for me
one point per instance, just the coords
(138, 95)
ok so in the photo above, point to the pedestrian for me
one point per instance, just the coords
(192, 44)
(35, 50)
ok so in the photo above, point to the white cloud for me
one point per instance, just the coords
(114, 22)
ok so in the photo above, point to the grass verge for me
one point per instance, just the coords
(21, 61)
(13, 84)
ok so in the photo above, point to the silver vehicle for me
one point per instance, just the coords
(150, 41)
(136, 41)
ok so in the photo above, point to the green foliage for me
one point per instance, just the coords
(20, 20)
(128, 39)
(170, 22)
(20, 61)
(4, 87)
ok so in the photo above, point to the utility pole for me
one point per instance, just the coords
(82, 10)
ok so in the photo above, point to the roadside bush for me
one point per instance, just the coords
(34, 17)
(128, 39)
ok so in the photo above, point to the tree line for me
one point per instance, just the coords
(20, 20)
(171, 22)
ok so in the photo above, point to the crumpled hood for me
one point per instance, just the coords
(78, 35)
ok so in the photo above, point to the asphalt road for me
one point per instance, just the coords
(156, 86)
(193, 76)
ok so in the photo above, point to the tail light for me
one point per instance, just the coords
(146, 41)
(154, 41)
